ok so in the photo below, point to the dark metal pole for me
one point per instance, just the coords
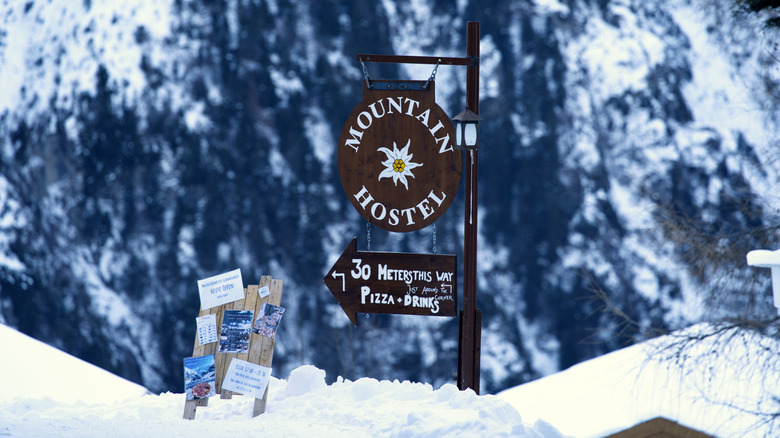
(404, 59)
(470, 317)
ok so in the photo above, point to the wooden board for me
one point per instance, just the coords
(396, 159)
(260, 347)
(396, 283)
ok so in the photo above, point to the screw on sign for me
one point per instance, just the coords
(396, 283)
(396, 158)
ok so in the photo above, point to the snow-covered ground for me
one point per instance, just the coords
(46, 393)
(31, 370)
(719, 381)
(724, 385)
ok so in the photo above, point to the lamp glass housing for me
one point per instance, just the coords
(459, 135)
(470, 133)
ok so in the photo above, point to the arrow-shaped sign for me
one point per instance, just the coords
(397, 283)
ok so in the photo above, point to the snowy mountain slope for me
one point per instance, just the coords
(146, 146)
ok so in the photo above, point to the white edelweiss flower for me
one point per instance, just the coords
(398, 164)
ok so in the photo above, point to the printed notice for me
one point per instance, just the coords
(236, 325)
(221, 289)
(207, 328)
(246, 378)
(199, 377)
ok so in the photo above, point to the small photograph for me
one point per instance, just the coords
(200, 377)
(236, 326)
(268, 320)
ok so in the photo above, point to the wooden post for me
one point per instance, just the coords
(197, 351)
(261, 348)
(222, 360)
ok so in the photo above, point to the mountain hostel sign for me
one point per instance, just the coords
(396, 158)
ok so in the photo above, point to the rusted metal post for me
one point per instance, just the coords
(470, 317)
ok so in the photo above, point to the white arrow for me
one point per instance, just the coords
(343, 285)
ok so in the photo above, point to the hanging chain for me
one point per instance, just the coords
(368, 235)
(433, 74)
(434, 238)
(365, 74)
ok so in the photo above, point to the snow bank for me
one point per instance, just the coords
(720, 381)
(303, 407)
(33, 370)
(44, 393)
(762, 258)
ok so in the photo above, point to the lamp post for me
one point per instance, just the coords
(467, 139)
(470, 339)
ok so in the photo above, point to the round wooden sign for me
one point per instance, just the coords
(396, 158)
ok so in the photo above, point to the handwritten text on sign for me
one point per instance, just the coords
(221, 289)
(396, 283)
(246, 378)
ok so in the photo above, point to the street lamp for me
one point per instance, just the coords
(466, 130)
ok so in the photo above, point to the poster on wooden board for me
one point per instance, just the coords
(242, 358)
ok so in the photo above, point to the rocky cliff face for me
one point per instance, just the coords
(144, 147)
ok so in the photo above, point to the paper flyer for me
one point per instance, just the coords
(207, 328)
(236, 326)
(264, 291)
(200, 377)
(268, 320)
(221, 289)
(246, 378)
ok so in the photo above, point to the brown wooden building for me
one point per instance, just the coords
(659, 427)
